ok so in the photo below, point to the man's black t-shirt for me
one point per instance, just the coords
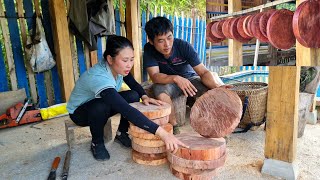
(181, 61)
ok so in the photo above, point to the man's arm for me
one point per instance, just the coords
(206, 77)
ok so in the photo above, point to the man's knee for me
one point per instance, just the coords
(163, 97)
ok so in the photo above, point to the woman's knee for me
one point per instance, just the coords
(98, 108)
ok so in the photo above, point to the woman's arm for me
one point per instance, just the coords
(134, 85)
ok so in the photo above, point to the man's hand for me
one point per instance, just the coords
(146, 101)
(185, 85)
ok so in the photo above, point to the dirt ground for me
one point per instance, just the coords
(28, 151)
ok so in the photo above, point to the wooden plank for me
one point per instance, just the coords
(3, 73)
(62, 45)
(235, 47)
(81, 56)
(45, 95)
(74, 56)
(16, 43)
(132, 32)
(22, 23)
(7, 45)
(93, 58)
(122, 19)
(144, 41)
(11, 98)
(55, 79)
(87, 55)
(282, 113)
(306, 56)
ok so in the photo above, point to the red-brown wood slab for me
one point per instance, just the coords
(196, 164)
(246, 25)
(255, 27)
(149, 159)
(148, 150)
(210, 36)
(279, 29)
(216, 29)
(240, 28)
(136, 132)
(234, 31)
(148, 142)
(306, 23)
(201, 148)
(225, 28)
(216, 113)
(153, 111)
(264, 21)
(192, 174)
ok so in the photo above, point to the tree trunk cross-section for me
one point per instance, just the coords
(216, 113)
(142, 134)
(192, 174)
(149, 159)
(153, 111)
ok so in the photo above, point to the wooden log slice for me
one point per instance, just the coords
(192, 174)
(306, 23)
(250, 25)
(240, 28)
(216, 113)
(201, 148)
(264, 21)
(148, 142)
(153, 111)
(196, 164)
(255, 27)
(210, 36)
(234, 31)
(225, 28)
(149, 159)
(136, 129)
(146, 135)
(148, 150)
(216, 30)
(246, 26)
(279, 29)
(161, 121)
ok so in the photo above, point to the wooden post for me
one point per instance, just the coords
(235, 47)
(282, 122)
(62, 46)
(306, 56)
(132, 35)
(122, 28)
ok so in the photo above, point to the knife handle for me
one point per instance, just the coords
(55, 163)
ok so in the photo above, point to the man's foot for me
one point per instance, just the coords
(123, 138)
(99, 151)
(176, 130)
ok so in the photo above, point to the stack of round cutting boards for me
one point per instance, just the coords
(147, 148)
(214, 115)
(280, 28)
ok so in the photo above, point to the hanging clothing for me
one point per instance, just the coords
(89, 19)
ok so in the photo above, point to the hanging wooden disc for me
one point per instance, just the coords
(264, 21)
(225, 28)
(149, 159)
(234, 31)
(148, 150)
(255, 27)
(240, 28)
(192, 174)
(216, 29)
(210, 36)
(246, 25)
(201, 148)
(196, 164)
(279, 29)
(153, 111)
(216, 113)
(306, 23)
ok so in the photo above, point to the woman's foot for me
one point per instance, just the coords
(99, 152)
(123, 139)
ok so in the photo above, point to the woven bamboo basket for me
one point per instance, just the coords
(257, 93)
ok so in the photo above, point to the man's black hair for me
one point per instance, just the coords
(158, 26)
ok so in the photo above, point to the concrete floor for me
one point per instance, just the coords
(28, 151)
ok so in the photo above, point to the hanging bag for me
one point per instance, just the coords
(37, 50)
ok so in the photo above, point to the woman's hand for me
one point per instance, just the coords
(147, 100)
(172, 143)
